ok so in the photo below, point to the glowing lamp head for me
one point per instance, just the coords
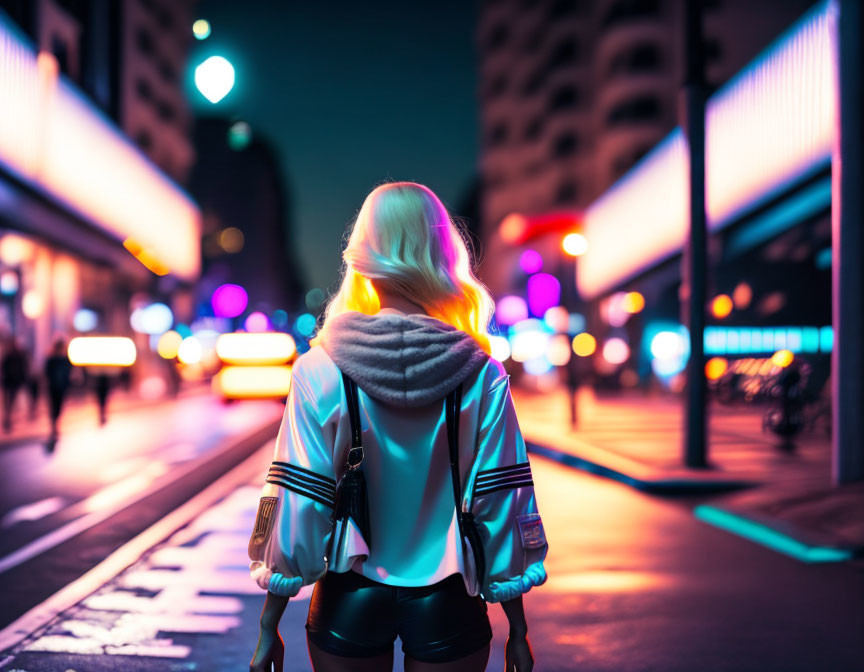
(782, 358)
(169, 344)
(32, 304)
(215, 78)
(530, 261)
(8, 283)
(616, 351)
(721, 306)
(257, 322)
(574, 244)
(715, 368)
(633, 302)
(201, 29)
(510, 309)
(584, 344)
(500, 348)
(101, 351)
(190, 351)
(229, 301)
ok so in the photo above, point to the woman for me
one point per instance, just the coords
(409, 327)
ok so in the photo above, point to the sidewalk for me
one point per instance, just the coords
(638, 440)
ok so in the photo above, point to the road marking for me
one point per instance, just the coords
(130, 552)
(79, 525)
(34, 511)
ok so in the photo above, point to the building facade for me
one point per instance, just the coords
(92, 223)
(574, 93)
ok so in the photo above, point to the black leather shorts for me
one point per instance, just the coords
(351, 615)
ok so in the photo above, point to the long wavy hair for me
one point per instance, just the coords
(404, 239)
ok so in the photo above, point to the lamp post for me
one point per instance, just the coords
(695, 257)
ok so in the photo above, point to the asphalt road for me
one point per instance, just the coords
(635, 584)
(64, 511)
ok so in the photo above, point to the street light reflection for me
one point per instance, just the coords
(605, 581)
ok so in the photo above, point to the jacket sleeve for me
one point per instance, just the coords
(288, 542)
(503, 502)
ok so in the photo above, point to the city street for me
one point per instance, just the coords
(66, 510)
(635, 583)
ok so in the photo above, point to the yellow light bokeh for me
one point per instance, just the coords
(782, 358)
(256, 348)
(633, 302)
(574, 244)
(201, 29)
(721, 306)
(253, 382)
(190, 351)
(584, 344)
(169, 344)
(715, 368)
(32, 304)
(231, 240)
(102, 351)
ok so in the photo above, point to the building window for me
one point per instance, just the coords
(533, 84)
(635, 110)
(144, 90)
(144, 40)
(144, 140)
(565, 145)
(166, 111)
(561, 9)
(533, 129)
(564, 98)
(565, 53)
(498, 37)
(498, 135)
(628, 10)
(639, 59)
(713, 50)
(627, 160)
(167, 72)
(497, 87)
(567, 192)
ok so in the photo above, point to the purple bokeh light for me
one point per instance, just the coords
(257, 322)
(229, 301)
(544, 292)
(510, 309)
(530, 261)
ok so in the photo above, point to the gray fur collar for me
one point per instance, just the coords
(403, 360)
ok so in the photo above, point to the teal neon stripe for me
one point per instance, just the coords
(769, 537)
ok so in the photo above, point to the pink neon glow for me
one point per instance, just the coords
(229, 301)
(544, 292)
(510, 309)
(767, 127)
(257, 322)
(52, 137)
(530, 261)
(616, 351)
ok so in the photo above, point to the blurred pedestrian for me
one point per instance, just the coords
(573, 382)
(58, 370)
(13, 375)
(103, 388)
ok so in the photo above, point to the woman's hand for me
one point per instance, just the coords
(517, 654)
(269, 651)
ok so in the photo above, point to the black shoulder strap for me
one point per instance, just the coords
(355, 454)
(452, 406)
(465, 519)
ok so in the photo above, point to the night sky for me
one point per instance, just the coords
(351, 94)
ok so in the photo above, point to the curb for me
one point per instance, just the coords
(776, 535)
(656, 485)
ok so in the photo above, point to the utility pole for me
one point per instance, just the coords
(847, 248)
(695, 257)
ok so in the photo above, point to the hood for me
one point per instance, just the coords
(403, 360)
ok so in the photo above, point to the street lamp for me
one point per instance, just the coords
(575, 244)
(214, 78)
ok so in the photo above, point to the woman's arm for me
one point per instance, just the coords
(270, 650)
(517, 651)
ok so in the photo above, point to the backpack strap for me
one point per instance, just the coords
(465, 519)
(355, 454)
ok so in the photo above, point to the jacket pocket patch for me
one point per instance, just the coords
(531, 530)
(263, 525)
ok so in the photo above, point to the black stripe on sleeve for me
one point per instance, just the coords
(520, 483)
(288, 478)
(510, 467)
(314, 496)
(312, 474)
(485, 480)
(302, 478)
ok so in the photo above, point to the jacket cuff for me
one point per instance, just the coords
(502, 591)
(274, 582)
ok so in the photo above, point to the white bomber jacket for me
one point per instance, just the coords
(404, 365)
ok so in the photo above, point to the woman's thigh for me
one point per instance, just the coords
(327, 662)
(474, 662)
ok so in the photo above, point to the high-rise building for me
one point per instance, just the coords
(573, 93)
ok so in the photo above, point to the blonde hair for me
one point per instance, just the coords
(404, 240)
